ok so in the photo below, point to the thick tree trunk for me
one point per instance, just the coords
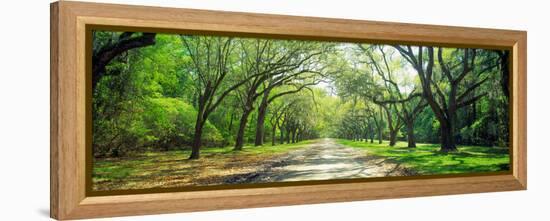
(505, 72)
(239, 142)
(447, 138)
(197, 138)
(393, 129)
(410, 134)
(262, 109)
(293, 136)
(393, 137)
(281, 136)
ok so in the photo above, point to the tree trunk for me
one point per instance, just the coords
(379, 135)
(473, 115)
(230, 126)
(293, 136)
(262, 109)
(410, 134)
(197, 138)
(447, 138)
(393, 137)
(288, 136)
(505, 72)
(282, 136)
(273, 131)
(239, 143)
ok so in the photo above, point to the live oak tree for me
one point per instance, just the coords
(300, 123)
(277, 113)
(442, 88)
(361, 120)
(212, 62)
(272, 64)
(376, 76)
(293, 85)
(308, 73)
(404, 104)
(376, 118)
(409, 113)
(504, 61)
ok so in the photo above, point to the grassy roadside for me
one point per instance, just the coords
(172, 168)
(426, 159)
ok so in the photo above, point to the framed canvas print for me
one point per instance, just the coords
(160, 110)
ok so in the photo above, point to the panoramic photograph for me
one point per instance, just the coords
(189, 110)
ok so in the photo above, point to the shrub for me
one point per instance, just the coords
(171, 123)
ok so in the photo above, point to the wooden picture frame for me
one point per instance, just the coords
(68, 108)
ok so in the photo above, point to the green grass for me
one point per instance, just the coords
(248, 149)
(426, 159)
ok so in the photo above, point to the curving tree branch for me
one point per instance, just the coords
(107, 53)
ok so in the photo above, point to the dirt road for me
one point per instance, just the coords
(323, 160)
